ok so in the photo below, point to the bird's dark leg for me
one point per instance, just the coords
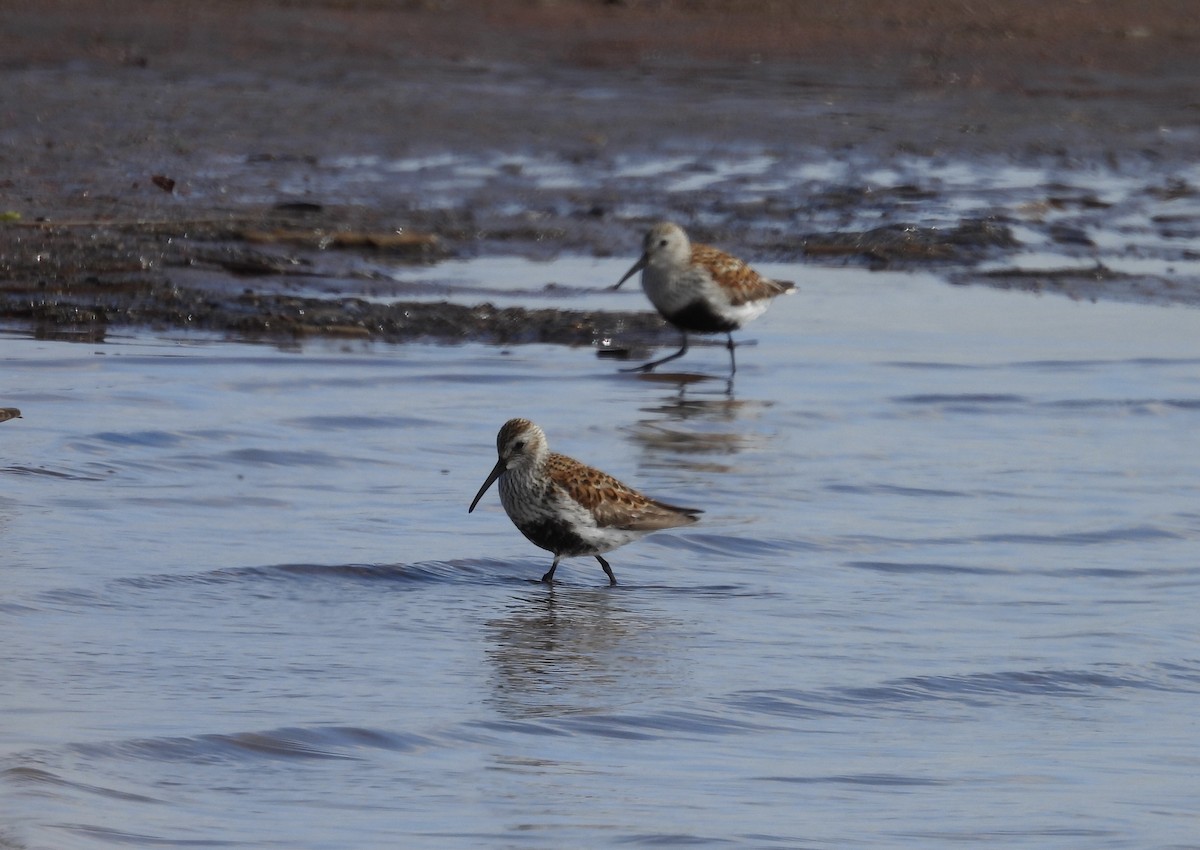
(612, 579)
(549, 576)
(649, 367)
(732, 363)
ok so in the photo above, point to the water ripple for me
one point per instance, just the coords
(728, 544)
(975, 689)
(673, 724)
(992, 404)
(400, 576)
(150, 439)
(356, 423)
(944, 569)
(118, 836)
(653, 726)
(673, 839)
(967, 400)
(35, 776)
(1134, 405)
(895, 490)
(282, 457)
(316, 742)
(880, 779)
(429, 572)
(50, 473)
(1121, 534)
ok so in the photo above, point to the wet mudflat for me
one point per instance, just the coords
(944, 589)
(186, 170)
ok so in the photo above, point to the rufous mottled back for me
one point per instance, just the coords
(699, 289)
(567, 507)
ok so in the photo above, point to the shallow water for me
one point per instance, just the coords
(944, 591)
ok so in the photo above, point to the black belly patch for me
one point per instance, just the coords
(556, 537)
(699, 317)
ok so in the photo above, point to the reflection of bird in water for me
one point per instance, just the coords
(566, 507)
(700, 289)
(694, 430)
(7, 413)
(546, 649)
(583, 653)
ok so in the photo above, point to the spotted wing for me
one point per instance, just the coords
(613, 504)
(742, 283)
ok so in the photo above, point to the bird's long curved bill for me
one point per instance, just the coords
(491, 479)
(637, 267)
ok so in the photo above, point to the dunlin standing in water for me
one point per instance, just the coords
(699, 289)
(566, 507)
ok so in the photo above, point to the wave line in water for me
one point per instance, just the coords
(879, 779)
(422, 573)
(1132, 405)
(33, 776)
(942, 569)
(975, 690)
(398, 576)
(673, 725)
(895, 490)
(292, 742)
(118, 836)
(1119, 534)
(965, 399)
(49, 473)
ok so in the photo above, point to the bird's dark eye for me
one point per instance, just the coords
(519, 445)
(662, 243)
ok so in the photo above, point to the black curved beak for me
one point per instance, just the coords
(497, 470)
(637, 267)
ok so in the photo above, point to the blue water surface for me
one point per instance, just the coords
(944, 593)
